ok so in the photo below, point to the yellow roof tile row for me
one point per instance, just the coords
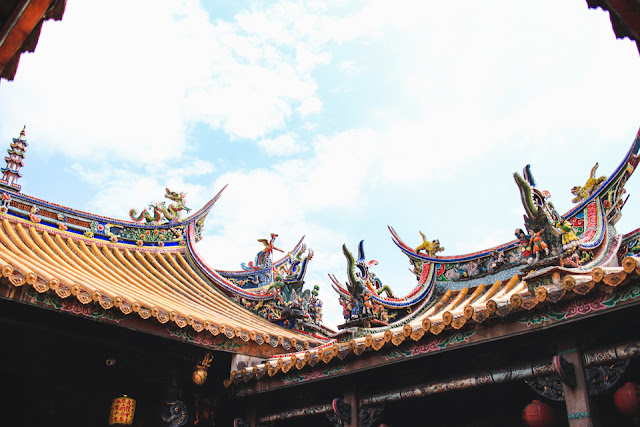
(454, 310)
(159, 284)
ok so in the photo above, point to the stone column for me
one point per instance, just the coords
(351, 399)
(251, 417)
(577, 399)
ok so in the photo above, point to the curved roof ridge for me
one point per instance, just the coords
(201, 213)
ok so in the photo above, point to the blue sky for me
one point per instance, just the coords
(330, 119)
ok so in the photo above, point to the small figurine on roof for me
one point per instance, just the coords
(582, 193)
(525, 245)
(430, 247)
(264, 257)
(539, 246)
(346, 311)
(355, 309)
(569, 238)
(497, 260)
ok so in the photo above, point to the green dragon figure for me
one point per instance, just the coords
(171, 214)
(540, 215)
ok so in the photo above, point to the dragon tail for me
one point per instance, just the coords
(528, 176)
(133, 214)
(361, 251)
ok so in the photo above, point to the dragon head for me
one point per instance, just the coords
(539, 212)
(175, 196)
(360, 277)
(179, 198)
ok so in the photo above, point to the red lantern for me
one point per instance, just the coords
(538, 414)
(627, 400)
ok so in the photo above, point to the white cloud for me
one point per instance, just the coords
(349, 68)
(283, 145)
(309, 106)
(128, 94)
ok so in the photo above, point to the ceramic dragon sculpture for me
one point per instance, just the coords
(539, 211)
(360, 277)
(548, 233)
(357, 299)
(178, 415)
(162, 213)
(290, 278)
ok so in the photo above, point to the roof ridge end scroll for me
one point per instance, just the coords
(199, 217)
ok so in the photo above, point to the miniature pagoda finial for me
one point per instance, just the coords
(15, 160)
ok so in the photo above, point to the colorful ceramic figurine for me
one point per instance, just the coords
(431, 248)
(346, 312)
(160, 211)
(569, 238)
(539, 246)
(592, 184)
(525, 245)
(497, 260)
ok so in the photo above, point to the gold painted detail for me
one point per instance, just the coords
(597, 274)
(406, 330)
(417, 334)
(568, 283)
(468, 312)
(541, 293)
(397, 339)
(447, 317)
(515, 301)
(436, 328)
(491, 306)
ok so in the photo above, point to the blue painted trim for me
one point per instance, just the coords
(579, 416)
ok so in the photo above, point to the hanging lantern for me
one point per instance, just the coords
(200, 371)
(538, 414)
(122, 411)
(627, 400)
(199, 375)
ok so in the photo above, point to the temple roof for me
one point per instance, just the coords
(456, 309)
(578, 253)
(46, 246)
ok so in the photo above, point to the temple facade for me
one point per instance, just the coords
(162, 324)
(540, 330)
(122, 322)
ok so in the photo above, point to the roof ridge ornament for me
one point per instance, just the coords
(161, 213)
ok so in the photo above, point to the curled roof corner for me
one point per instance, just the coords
(202, 213)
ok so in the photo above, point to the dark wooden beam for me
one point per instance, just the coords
(628, 13)
(25, 20)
